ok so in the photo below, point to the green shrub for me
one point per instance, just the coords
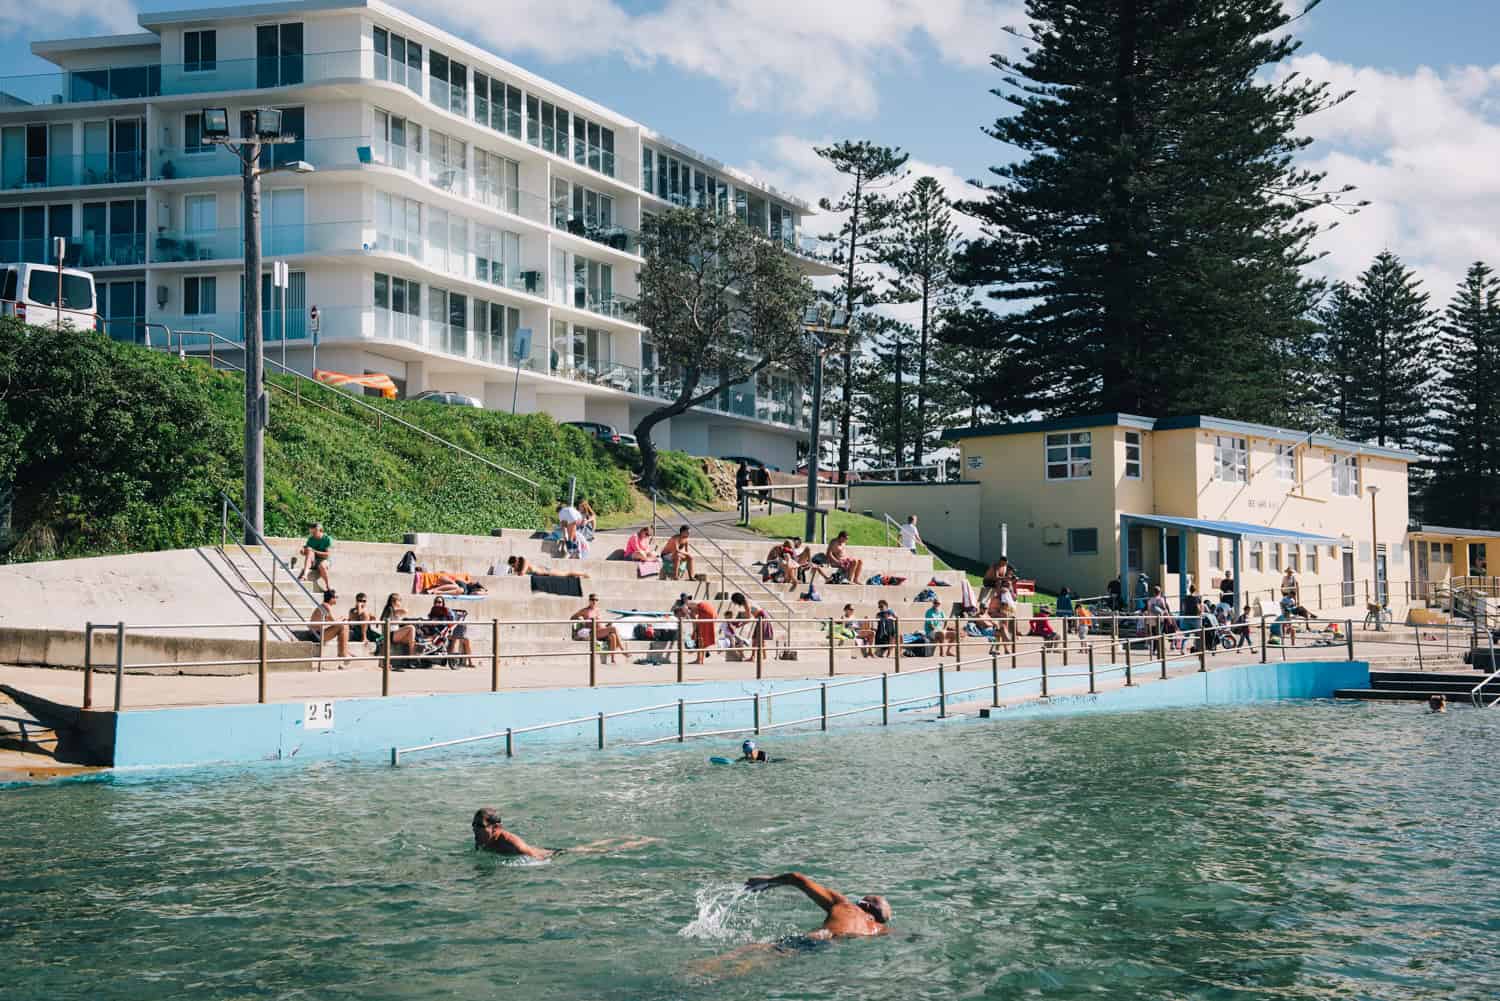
(682, 476)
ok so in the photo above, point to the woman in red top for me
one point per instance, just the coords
(705, 631)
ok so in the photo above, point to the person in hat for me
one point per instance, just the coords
(752, 753)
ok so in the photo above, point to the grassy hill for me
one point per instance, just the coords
(110, 448)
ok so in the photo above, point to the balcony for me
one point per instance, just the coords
(76, 169)
(120, 83)
(178, 246)
(607, 234)
(450, 177)
(91, 251)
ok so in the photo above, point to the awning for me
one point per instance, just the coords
(1228, 529)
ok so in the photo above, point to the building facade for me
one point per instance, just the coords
(1072, 501)
(469, 226)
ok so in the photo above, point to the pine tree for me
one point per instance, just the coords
(1152, 236)
(992, 367)
(871, 169)
(884, 389)
(1386, 358)
(1465, 485)
(1337, 318)
(920, 251)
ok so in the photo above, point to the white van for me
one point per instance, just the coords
(29, 292)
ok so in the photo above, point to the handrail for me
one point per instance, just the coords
(1474, 693)
(381, 414)
(226, 505)
(890, 523)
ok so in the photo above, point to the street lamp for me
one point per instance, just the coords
(821, 322)
(1375, 552)
(262, 128)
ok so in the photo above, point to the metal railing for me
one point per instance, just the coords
(241, 530)
(217, 344)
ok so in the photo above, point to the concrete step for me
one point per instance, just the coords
(1397, 694)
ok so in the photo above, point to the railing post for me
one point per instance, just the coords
(273, 584)
(1349, 634)
(1044, 671)
(1164, 656)
(1127, 663)
(119, 666)
(760, 650)
(495, 655)
(681, 720)
(1202, 649)
(1264, 653)
(885, 700)
(830, 647)
(223, 521)
(958, 642)
(1065, 641)
(260, 695)
(1320, 596)
(823, 706)
(1114, 635)
(88, 665)
(1092, 690)
(755, 703)
(385, 659)
(601, 731)
(899, 644)
(942, 694)
(995, 677)
(510, 743)
(593, 654)
(681, 628)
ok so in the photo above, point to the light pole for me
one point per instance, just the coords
(1375, 552)
(820, 322)
(262, 128)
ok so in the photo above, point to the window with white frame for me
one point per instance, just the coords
(1132, 455)
(1294, 557)
(200, 213)
(1215, 554)
(200, 295)
(398, 224)
(1083, 542)
(1257, 556)
(398, 60)
(1312, 559)
(1276, 554)
(1231, 459)
(1070, 455)
(1345, 475)
(200, 51)
(1286, 463)
(192, 134)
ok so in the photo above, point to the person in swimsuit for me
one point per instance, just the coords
(490, 835)
(753, 753)
(844, 918)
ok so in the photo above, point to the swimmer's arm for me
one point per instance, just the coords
(520, 847)
(816, 892)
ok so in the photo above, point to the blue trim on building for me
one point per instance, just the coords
(1079, 423)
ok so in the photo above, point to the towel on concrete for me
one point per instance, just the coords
(566, 586)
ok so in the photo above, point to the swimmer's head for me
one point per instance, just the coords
(1436, 703)
(485, 818)
(877, 907)
(748, 747)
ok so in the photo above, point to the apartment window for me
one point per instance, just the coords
(1257, 556)
(200, 295)
(200, 51)
(398, 224)
(1276, 553)
(1215, 554)
(1286, 463)
(192, 134)
(200, 213)
(593, 146)
(1070, 455)
(1294, 557)
(1312, 559)
(394, 135)
(482, 111)
(278, 54)
(497, 181)
(648, 169)
(1083, 542)
(1231, 459)
(1132, 455)
(398, 60)
(1345, 475)
(396, 295)
(533, 120)
(449, 86)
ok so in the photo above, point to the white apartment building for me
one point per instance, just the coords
(457, 199)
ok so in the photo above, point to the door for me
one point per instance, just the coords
(1381, 597)
(1348, 582)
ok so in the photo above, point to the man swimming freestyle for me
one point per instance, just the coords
(845, 918)
(490, 835)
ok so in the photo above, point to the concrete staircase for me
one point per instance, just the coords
(1418, 686)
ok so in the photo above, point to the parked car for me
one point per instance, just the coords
(29, 292)
(451, 399)
(603, 432)
(629, 439)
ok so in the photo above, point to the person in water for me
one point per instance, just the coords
(1437, 703)
(490, 835)
(753, 753)
(845, 918)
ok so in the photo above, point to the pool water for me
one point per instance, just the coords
(1311, 850)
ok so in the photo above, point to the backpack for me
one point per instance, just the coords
(917, 645)
(876, 581)
(408, 563)
(926, 594)
(838, 577)
(885, 630)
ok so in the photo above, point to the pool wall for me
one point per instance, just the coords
(371, 727)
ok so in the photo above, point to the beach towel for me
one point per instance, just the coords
(421, 582)
(566, 586)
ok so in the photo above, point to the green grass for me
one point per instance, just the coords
(111, 448)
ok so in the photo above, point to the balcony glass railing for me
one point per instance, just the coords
(90, 251)
(175, 246)
(75, 169)
(615, 306)
(609, 234)
(118, 83)
(452, 178)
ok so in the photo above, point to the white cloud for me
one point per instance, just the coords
(1421, 147)
(67, 18)
(781, 54)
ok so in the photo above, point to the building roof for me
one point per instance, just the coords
(1462, 533)
(1230, 529)
(1180, 423)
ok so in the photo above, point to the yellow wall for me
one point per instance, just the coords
(947, 513)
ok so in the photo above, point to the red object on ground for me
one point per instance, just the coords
(1025, 587)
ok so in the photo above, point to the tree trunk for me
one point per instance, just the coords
(844, 418)
(916, 459)
(900, 413)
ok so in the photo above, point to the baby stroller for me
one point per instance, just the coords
(433, 640)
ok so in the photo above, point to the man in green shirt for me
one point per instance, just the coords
(317, 553)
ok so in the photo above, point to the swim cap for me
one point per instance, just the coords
(748, 747)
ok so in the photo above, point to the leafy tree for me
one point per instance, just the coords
(883, 389)
(1465, 486)
(1149, 241)
(920, 250)
(1387, 370)
(870, 170)
(992, 367)
(722, 303)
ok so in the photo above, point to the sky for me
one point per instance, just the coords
(758, 83)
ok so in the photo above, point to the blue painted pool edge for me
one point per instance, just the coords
(370, 727)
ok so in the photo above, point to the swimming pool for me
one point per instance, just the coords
(1283, 850)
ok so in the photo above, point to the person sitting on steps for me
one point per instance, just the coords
(339, 631)
(676, 556)
(605, 631)
(838, 555)
(317, 556)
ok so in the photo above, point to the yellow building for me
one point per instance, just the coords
(1073, 500)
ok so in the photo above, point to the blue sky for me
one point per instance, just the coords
(758, 82)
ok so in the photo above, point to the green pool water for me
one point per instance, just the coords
(1315, 850)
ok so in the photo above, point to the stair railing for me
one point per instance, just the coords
(241, 530)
